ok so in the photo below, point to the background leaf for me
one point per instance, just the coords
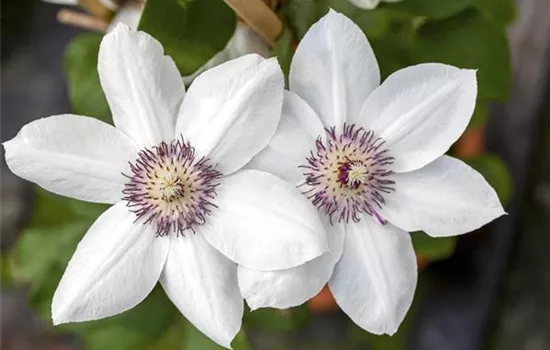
(469, 40)
(432, 248)
(278, 320)
(84, 88)
(191, 32)
(502, 12)
(495, 172)
(431, 8)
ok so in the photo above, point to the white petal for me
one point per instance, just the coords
(294, 140)
(231, 112)
(202, 283)
(73, 156)
(113, 269)
(420, 111)
(128, 14)
(334, 69)
(143, 87)
(291, 287)
(444, 198)
(264, 223)
(374, 281)
(366, 4)
(245, 40)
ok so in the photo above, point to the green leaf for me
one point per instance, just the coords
(393, 52)
(479, 118)
(374, 23)
(502, 12)
(469, 41)
(85, 92)
(194, 339)
(433, 248)
(241, 342)
(431, 8)
(40, 257)
(299, 15)
(191, 32)
(278, 320)
(495, 172)
(283, 50)
(136, 328)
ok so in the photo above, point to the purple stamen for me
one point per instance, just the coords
(171, 188)
(349, 174)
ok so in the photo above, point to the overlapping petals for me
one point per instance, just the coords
(291, 287)
(239, 103)
(254, 227)
(298, 129)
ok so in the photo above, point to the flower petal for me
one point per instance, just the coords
(444, 198)
(231, 112)
(334, 69)
(143, 87)
(294, 140)
(202, 283)
(264, 223)
(374, 281)
(292, 287)
(366, 4)
(73, 156)
(420, 111)
(114, 267)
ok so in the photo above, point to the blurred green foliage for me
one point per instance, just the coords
(191, 31)
(465, 33)
(84, 89)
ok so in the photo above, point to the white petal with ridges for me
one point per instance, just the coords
(334, 69)
(292, 287)
(420, 111)
(231, 112)
(375, 279)
(444, 198)
(202, 283)
(294, 140)
(264, 223)
(73, 156)
(143, 87)
(115, 266)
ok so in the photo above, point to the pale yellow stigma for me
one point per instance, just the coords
(357, 174)
(170, 187)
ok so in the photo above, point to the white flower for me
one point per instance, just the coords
(370, 4)
(371, 159)
(185, 212)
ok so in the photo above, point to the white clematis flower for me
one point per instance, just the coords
(185, 212)
(370, 158)
(370, 4)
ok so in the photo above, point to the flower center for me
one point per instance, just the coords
(171, 188)
(348, 174)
